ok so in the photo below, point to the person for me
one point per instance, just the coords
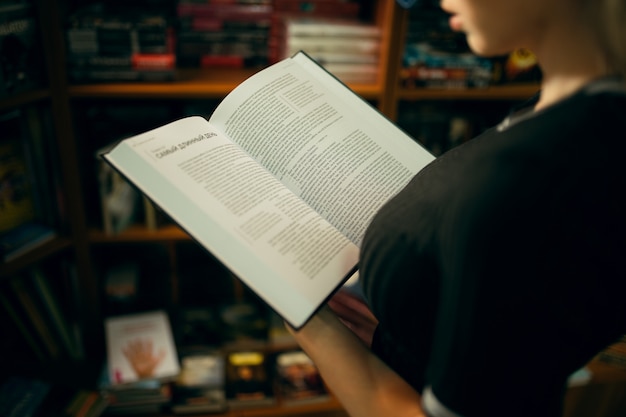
(498, 271)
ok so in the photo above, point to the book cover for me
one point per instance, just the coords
(248, 380)
(298, 380)
(16, 194)
(140, 346)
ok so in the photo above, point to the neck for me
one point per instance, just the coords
(569, 58)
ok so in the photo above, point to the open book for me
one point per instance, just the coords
(280, 183)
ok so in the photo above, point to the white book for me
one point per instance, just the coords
(312, 44)
(280, 183)
(314, 27)
(140, 347)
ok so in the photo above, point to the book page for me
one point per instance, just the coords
(331, 148)
(272, 240)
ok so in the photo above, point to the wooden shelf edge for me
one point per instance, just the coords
(21, 99)
(138, 234)
(496, 92)
(279, 409)
(190, 84)
(35, 255)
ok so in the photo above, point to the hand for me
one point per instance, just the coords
(354, 314)
(142, 358)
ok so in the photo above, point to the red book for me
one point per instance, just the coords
(153, 61)
(221, 61)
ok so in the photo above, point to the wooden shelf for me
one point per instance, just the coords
(503, 92)
(190, 84)
(23, 98)
(35, 255)
(138, 234)
(330, 408)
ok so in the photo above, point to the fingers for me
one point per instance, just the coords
(350, 307)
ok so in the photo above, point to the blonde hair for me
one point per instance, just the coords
(610, 24)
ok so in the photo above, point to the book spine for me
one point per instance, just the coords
(35, 316)
(22, 327)
(53, 310)
(153, 61)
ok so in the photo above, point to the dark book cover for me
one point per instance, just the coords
(298, 380)
(249, 380)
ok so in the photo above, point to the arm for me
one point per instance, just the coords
(363, 383)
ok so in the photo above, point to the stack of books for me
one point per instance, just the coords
(142, 397)
(142, 360)
(217, 34)
(330, 31)
(20, 49)
(346, 48)
(285, 10)
(437, 57)
(27, 206)
(112, 45)
(200, 386)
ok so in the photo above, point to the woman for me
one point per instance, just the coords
(496, 273)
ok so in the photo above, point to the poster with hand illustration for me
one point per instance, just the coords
(140, 346)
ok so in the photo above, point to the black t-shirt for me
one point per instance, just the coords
(501, 268)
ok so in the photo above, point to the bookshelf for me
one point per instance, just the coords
(82, 242)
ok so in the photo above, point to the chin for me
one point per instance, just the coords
(484, 49)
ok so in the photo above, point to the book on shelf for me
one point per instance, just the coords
(249, 381)
(28, 206)
(23, 239)
(119, 201)
(44, 170)
(113, 44)
(17, 205)
(233, 35)
(139, 397)
(280, 183)
(298, 381)
(20, 49)
(52, 307)
(351, 46)
(140, 346)
(316, 8)
(31, 309)
(200, 386)
(243, 323)
(197, 326)
(20, 396)
(26, 331)
(85, 403)
(322, 28)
